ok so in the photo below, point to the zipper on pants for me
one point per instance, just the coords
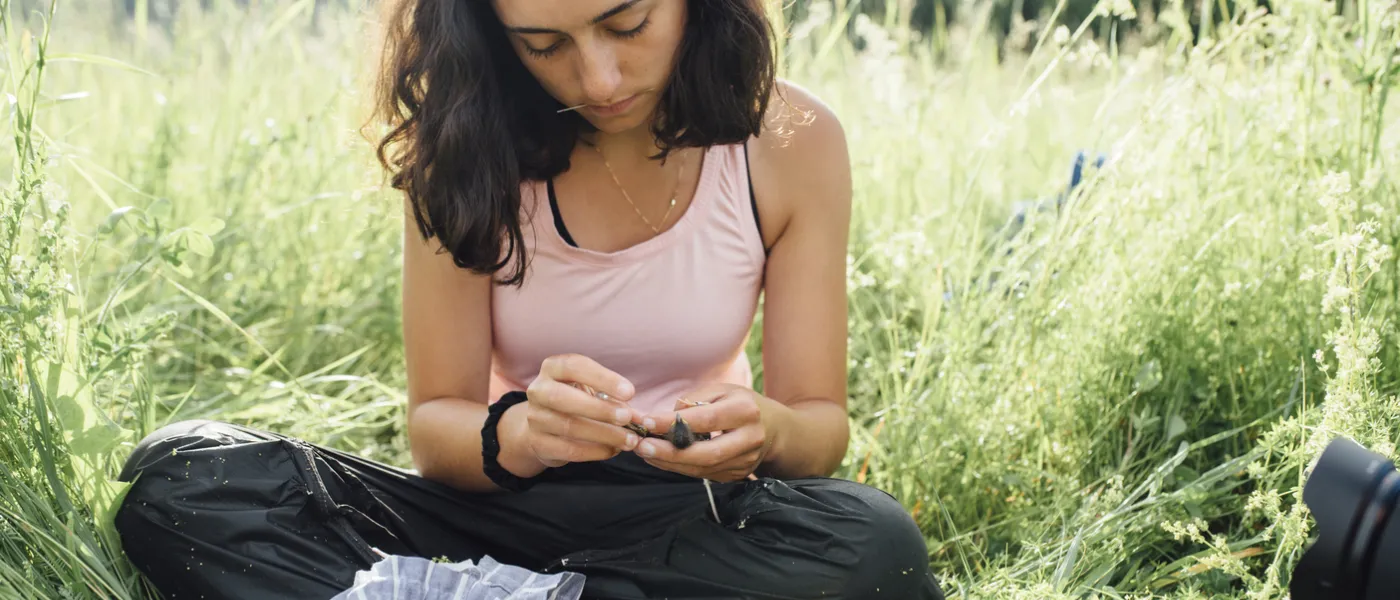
(306, 461)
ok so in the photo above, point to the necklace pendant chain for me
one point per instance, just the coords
(670, 206)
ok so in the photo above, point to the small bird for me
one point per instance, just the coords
(681, 436)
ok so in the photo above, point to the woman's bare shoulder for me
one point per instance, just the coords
(800, 160)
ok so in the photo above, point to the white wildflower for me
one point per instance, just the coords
(1186, 531)
(1320, 358)
(1122, 9)
(1335, 298)
(1334, 186)
(1371, 179)
(1265, 501)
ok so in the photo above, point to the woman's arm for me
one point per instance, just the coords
(803, 185)
(447, 346)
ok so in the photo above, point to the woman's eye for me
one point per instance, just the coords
(625, 34)
(545, 53)
(635, 31)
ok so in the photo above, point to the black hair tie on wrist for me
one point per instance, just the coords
(491, 445)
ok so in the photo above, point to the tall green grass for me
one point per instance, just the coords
(1120, 397)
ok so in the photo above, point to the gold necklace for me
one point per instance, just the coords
(669, 208)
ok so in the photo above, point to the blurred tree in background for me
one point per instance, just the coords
(1015, 25)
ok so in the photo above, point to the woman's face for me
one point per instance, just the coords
(614, 56)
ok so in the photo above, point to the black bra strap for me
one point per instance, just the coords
(753, 201)
(558, 218)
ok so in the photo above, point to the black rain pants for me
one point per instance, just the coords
(221, 511)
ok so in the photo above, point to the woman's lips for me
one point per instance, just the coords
(613, 110)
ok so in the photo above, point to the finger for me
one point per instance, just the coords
(571, 450)
(704, 454)
(576, 368)
(690, 470)
(567, 399)
(659, 421)
(705, 394)
(576, 428)
(713, 414)
(728, 412)
(724, 474)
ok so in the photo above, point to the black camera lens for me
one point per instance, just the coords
(1352, 494)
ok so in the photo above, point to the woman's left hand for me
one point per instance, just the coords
(747, 420)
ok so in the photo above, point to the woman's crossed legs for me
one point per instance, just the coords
(223, 511)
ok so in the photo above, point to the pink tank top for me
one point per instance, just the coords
(669, 314)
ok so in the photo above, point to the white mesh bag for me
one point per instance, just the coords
(413, 578)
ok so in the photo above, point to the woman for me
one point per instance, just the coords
(596, 191)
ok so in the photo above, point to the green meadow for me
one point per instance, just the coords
(1114, 391)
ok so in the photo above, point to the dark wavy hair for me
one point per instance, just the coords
(467, 123)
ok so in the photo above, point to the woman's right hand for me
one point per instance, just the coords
(564, 424)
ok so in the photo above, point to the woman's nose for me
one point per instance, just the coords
(600, 74)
